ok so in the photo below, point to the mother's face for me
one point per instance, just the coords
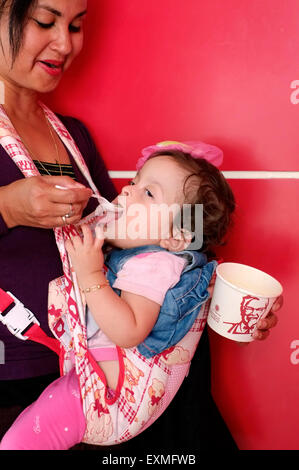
(52, 38)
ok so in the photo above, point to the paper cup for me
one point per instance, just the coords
(242, 295)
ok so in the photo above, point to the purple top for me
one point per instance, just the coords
(29, 260)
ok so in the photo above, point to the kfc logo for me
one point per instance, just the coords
(251, 309)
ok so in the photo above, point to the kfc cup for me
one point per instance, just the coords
(241, 296)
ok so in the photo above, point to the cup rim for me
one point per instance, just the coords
(247, 291)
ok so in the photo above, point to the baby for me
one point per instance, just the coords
(138, 309)
(149, 298)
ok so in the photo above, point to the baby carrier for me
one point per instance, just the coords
(146, 386)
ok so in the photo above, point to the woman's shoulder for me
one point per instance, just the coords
(75, 126)
(81, 135)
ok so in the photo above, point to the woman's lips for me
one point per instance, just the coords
(52, 67)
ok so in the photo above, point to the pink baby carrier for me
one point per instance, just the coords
(145, 386)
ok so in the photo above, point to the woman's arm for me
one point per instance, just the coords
(37, 202)
(126, 320)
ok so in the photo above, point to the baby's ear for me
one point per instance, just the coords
(179, 241)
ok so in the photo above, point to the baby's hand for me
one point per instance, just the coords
(86, 254)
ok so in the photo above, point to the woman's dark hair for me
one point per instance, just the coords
(209, 188)
(18, 12)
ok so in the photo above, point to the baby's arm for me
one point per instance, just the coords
(126, 320)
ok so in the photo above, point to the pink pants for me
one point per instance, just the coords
(55, 421)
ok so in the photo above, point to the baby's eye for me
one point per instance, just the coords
(148, 193)
(131, 183)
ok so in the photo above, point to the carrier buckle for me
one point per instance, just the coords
(18, 319)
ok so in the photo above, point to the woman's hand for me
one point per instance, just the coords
(265, 324)
(37, 202)
(86, 256)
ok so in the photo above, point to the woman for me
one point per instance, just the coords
(38, 45)
(39, 40)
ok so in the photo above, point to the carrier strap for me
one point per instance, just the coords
(22, 323)
(35, 333)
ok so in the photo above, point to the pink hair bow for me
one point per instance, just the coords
(196, 149)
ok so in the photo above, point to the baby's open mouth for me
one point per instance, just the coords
(116, 214)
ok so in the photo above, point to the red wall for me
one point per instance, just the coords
(218, 71)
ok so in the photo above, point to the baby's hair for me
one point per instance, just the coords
(208, 187)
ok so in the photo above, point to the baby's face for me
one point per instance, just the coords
(150, 204)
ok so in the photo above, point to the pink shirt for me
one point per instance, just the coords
(147, 274)
(150, 274)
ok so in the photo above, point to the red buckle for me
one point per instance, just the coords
(14, 315)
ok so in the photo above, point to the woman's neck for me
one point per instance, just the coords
(20, 103)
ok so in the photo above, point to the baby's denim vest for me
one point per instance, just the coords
(182, 302)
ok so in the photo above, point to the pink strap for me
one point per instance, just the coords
(104, 354)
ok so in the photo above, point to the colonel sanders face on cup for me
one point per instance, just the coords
(251, 309)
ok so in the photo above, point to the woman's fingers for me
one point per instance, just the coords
(74, 195)
(260, 334)
(43, 202)
(264, 325)
(68, 213)
(51, 206)
(268, 322)
(277, 304)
